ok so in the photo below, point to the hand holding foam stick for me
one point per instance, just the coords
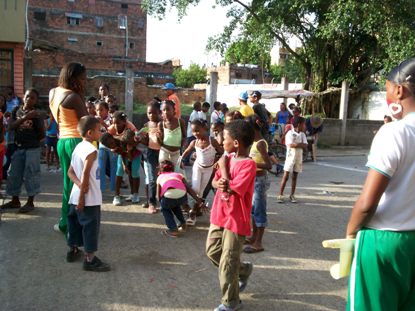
(346, 246)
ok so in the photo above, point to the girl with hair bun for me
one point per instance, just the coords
(383, 218)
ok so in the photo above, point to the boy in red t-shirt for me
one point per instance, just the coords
(231, 213)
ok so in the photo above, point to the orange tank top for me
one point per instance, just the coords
(67, 118)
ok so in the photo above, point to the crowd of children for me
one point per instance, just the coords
(230, 156)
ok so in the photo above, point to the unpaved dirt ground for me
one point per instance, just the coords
(154, 272)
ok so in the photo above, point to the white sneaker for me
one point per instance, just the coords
(293, 199)
(129, 197)
(280, 199)
(117, 200)
(135, 198)
(56, 228)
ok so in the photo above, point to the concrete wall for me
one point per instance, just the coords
(12, 20)
(359, 132)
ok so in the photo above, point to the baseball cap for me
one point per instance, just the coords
(243, 96)
(257, 94)
(169, 86)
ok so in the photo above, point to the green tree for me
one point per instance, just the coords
(341, 39)
(188, 77)
(291, 69)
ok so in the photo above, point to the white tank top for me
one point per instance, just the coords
(205, 157)
(93, 196)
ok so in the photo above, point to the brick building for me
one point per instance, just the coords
(240, 74)
(12, 42)
(105, 35)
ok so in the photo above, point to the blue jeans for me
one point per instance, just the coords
(171, 208)
(105, 157)
(259, 201)
(151, 161)
(24, 168)
(83, 227)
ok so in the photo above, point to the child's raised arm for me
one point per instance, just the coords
(189, 149)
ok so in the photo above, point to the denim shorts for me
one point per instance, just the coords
(133, 165)
(259, 201)
(83, 227)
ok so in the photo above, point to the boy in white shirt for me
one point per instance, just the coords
(204, 111)
(296, 142)
(86, 198)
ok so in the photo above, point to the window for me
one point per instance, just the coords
(40, 16)
(6, 68)
(131, 45)
(124, 6)
(99, 21)
(72, 21)
(72, 39)
(73, 18)
(141, 23)
(122, 22)
(99, 43)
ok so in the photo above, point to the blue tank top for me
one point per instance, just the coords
(283, 117)
(53, 130)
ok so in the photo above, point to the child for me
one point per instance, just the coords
(25, 163)
(106, 158)
(230, 219)
(171, 190)
(112, 109)
(86, 198)
(296, 141)
(245, 109)
(90, 106)
(197, 107)
(51, 141)
(151, 159)
(172, 133)
(217, 130)
(259, 153)
(130, 165)
(233, 115)
(383, 219)
(204, 111)
(216, 114)
(206, 150)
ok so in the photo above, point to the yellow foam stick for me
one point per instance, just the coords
(346, 246)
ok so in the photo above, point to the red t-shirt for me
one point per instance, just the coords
(235, 214)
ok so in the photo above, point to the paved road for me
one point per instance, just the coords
(153, 272)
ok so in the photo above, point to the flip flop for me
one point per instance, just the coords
(251, 250)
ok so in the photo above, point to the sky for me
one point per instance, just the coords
(185, 39)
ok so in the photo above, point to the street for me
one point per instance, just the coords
(153, 272)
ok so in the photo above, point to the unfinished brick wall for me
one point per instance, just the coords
(54, 31)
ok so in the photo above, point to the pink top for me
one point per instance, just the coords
(235, 214)
(170, 180)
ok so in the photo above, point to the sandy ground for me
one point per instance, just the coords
(154, 272)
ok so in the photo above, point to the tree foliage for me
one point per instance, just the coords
(188, 77)
(341, 39)
(247, 52)
(292, 69)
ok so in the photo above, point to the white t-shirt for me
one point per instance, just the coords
(193, 116)
(293, 137)
(202, 115)
(393, 155)
(93, 196)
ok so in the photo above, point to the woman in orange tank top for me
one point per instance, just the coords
(67, 105)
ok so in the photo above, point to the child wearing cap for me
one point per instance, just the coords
(170, 89)
(245, 109)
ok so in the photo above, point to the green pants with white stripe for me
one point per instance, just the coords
(65, 148)
(382, 276)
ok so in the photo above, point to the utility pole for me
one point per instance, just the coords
(344, 103)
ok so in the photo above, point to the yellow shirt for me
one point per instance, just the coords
(255, 155)
(246, 111)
